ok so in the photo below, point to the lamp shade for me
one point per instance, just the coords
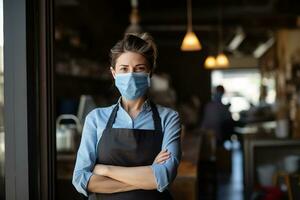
(190, 42)
(222, 60)
(210, 62)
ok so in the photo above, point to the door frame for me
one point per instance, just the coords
(28, 96)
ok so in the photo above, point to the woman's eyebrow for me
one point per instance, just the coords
(140, 64)
(123, 65)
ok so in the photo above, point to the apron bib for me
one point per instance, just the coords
(130, 148)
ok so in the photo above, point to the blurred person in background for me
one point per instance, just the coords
(217, 117)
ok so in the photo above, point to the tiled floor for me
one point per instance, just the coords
(230, 187)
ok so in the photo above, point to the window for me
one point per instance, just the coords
(242, 88)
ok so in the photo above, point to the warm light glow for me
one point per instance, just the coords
(190, 42)
(222, 60)
(210, 62)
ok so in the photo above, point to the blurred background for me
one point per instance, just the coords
(260, 44)
(231, 68)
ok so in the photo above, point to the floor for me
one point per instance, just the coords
(230, 187)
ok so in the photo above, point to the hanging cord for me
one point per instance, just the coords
(189, 14)
(220, 28)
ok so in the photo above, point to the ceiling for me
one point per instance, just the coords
(166, 20)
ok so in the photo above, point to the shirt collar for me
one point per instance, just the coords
(145, 107)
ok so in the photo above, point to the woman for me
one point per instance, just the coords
(130, 150)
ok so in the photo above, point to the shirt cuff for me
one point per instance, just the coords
(161, 176)
(80, 182)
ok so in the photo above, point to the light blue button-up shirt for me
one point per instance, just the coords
(94, 125)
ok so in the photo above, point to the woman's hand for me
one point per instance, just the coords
(100, 169)
(162, 157)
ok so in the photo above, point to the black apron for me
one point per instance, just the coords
(130, 148)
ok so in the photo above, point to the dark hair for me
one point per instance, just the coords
(220, 89)
(139, 43)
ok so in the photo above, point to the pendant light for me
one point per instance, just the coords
(221, 60)
(210, 62)
(134, 18)
(190, 41)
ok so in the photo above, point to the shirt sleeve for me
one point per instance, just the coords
(86, 155)
(166, 172)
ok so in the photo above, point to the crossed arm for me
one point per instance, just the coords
(112, 179)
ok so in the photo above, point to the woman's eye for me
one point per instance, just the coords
(141, 69)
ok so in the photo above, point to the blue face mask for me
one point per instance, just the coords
(132, 85)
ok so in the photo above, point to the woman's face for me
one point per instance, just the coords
(129, 62)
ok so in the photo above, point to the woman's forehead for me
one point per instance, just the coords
(131, 58)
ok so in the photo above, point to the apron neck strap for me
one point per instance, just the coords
(155, 116)
(112, 117)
